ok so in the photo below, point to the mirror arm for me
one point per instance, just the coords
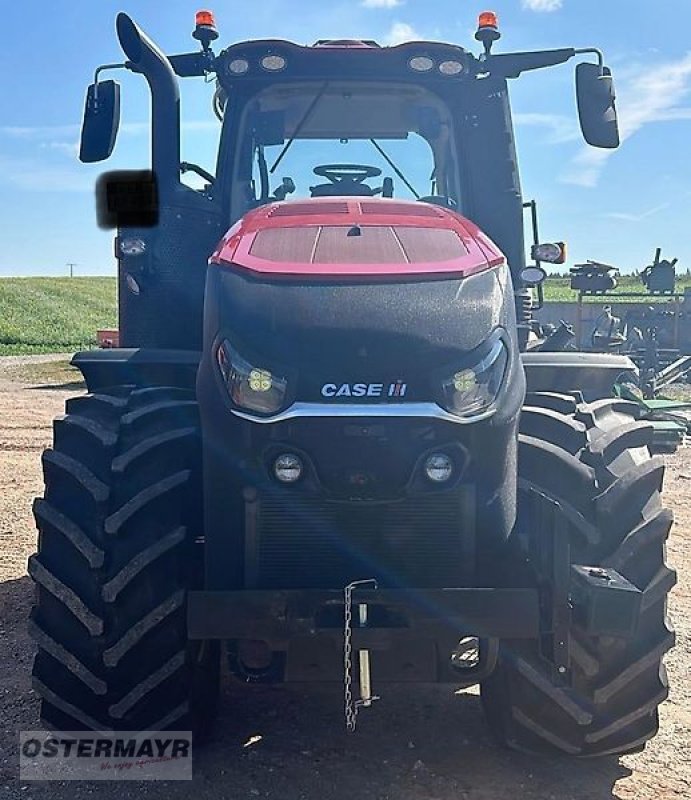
(512, 65)
(532, 205)
(540, 297)
(193, 65)
(593, 51)
(98, 72)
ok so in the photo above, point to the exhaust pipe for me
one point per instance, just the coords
(145, 57)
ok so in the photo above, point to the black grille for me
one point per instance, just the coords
(309, 543)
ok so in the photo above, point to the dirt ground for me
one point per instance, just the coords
(412, 745)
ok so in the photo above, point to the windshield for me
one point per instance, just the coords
(331, 139)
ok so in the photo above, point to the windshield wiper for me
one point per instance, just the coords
(300, 126)
(398, 172)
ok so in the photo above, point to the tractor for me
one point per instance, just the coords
(328, 448)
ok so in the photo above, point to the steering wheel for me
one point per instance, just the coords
(346, 173)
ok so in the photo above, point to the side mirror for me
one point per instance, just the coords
(101, 121)
(533, 276)
(597, 105)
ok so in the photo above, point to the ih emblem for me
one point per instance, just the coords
(396, 389)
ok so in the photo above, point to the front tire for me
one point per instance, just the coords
(594, 460)
(119, 532)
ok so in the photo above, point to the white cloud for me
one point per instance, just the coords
(58, 137)
(629, 217)
(645, 96)
(68, 148)
(586, 167)
(139, 128)
(543, 5)
(381, 3)
(559, 128)
(34, 176)
(42, 166)
(212, 125)
(38, 131)
(675, 114)
(401, 32)
(654, 94)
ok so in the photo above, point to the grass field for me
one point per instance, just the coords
(557, 288)
(53, 315)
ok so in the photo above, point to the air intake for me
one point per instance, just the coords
(402, 209)
(308, 209)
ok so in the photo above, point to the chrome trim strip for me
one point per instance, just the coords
(353, 410)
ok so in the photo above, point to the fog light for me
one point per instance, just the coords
(288, 468)
(438, 467)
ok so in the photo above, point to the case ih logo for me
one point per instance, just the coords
(397, 389)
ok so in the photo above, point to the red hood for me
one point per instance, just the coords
(341, 236)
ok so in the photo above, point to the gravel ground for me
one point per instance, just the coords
(412, 745)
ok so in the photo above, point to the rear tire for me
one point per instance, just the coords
(119, 531)
(594, 459)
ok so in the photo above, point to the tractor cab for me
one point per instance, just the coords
(420, 121)
(340, 119)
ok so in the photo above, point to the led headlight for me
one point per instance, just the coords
(252, 388)
(472, 391)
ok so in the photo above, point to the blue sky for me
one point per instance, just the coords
(612, 207)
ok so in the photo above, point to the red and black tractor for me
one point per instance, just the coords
(328, 447)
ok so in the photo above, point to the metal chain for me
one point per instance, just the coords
(351, 707)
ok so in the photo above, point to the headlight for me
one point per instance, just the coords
(250, 387)
(471, 391)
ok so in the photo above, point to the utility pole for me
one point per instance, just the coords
(71, 265)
